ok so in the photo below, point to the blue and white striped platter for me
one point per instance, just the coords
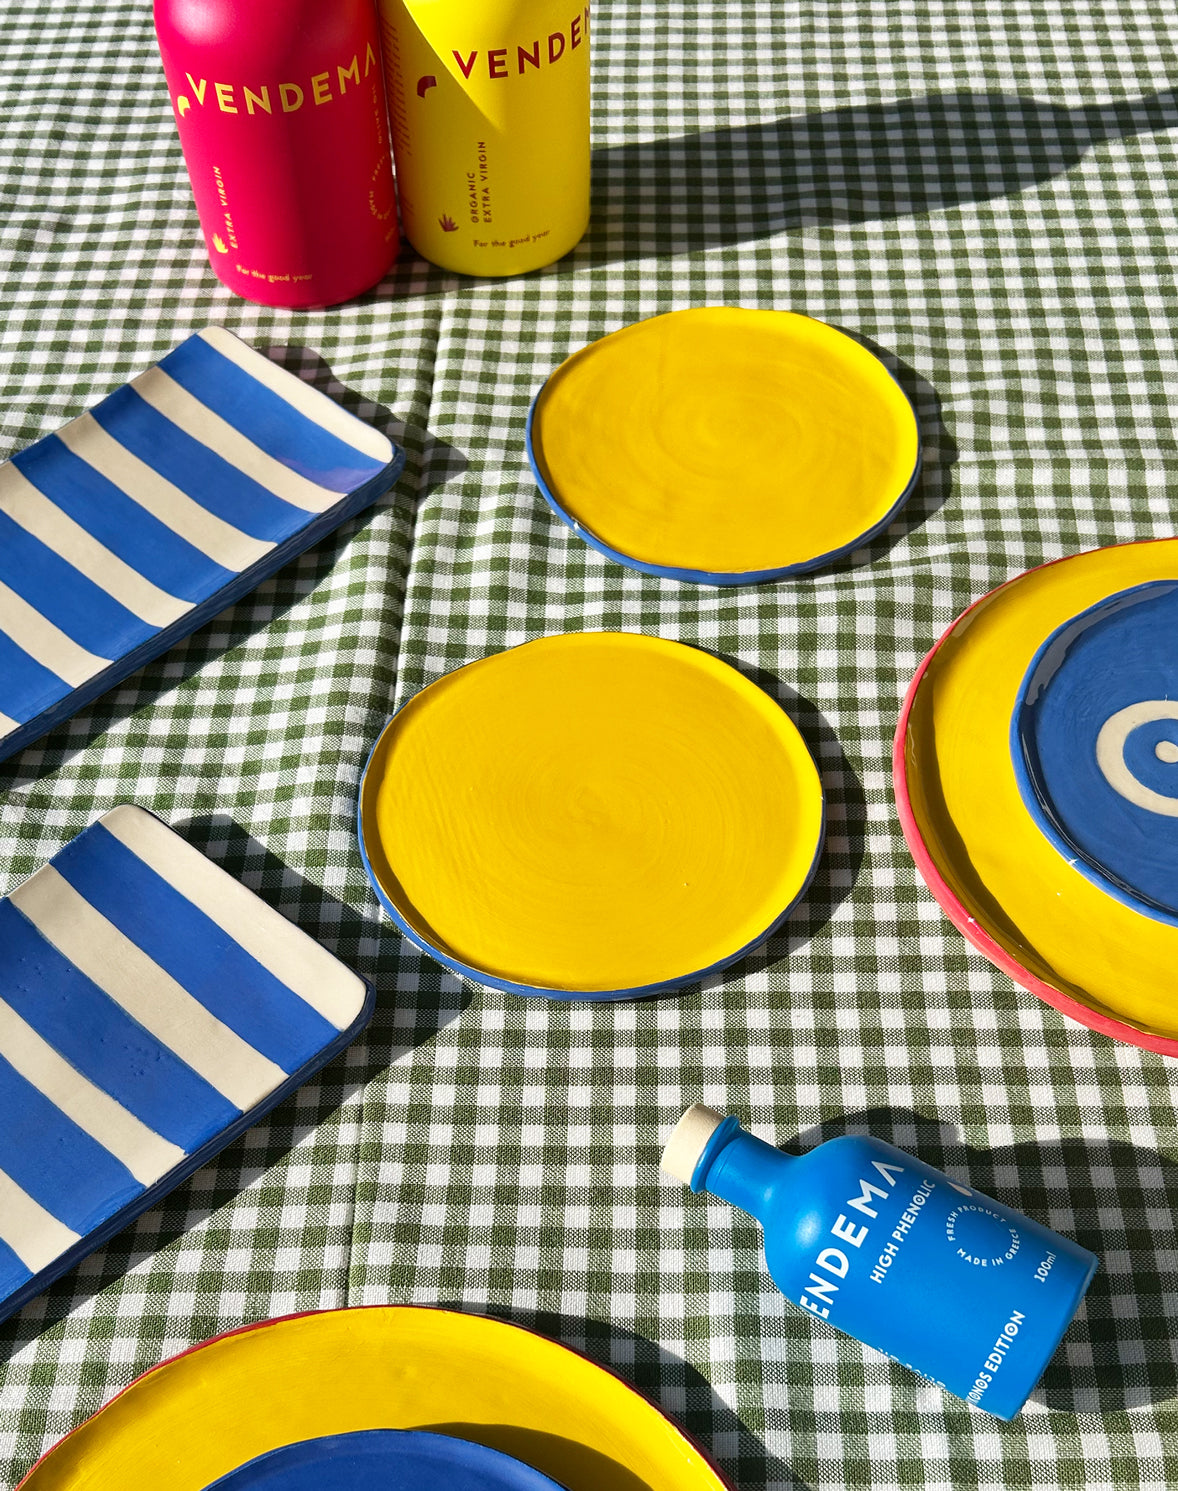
(140, 520)
(151, 1008)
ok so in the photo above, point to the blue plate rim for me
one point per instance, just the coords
(466, 1450)
(596, 996)
(1034, 793)
(723, 577)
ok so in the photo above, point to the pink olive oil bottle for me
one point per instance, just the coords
(281, 113)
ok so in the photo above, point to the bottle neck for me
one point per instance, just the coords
(740, 1168)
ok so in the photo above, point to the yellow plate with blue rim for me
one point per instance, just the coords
(723, 445)
(207, 1412)
(1000, 879)
(595, 815)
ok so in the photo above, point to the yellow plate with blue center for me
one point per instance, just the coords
(595, 815)
(724, 446)
(207, 1412)
(1001, 880)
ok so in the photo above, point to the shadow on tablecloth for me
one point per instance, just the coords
(846, 823)
(856, 164)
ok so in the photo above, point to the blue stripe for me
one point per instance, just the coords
(266, 419)
(54, 1161)
(125, 528)
(199, 955)
(74, 604)
(207, 478)
(26, 688)
(13, 1273)
(102, 1041)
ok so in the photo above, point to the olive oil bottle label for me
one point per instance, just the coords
(281, 117)
(489, 107)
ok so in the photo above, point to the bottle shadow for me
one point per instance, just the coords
(674, 1387)
(412, 277)
(1119, 1352)
(855, 164)
(367, 947)
(858, 163)
(429, 463)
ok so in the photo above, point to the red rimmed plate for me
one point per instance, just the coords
(997, 877)
(212, 1408)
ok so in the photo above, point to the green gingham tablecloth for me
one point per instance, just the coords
(984, 193)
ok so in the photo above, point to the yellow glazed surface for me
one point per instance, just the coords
(203, 1414)
(725, 440)
(592, 812)
(1056, 924)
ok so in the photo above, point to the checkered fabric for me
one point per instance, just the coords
(983, 194)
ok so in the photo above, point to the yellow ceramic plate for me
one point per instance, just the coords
(204, 1413)
(593, 815)
(724, 446)
(997, 877)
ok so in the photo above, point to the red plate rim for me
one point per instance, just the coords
(955, 909)
(241, 1330)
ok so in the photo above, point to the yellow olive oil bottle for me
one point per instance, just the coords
(489, 106)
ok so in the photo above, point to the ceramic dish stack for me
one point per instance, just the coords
(1036, 770)
(214, 1409)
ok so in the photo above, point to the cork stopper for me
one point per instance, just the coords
(688, 1141)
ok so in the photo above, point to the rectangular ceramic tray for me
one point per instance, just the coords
(151, 1009)
(137, 522)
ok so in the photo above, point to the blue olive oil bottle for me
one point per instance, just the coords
(973, 1296)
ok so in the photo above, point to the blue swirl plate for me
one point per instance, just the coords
(1094, 742)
